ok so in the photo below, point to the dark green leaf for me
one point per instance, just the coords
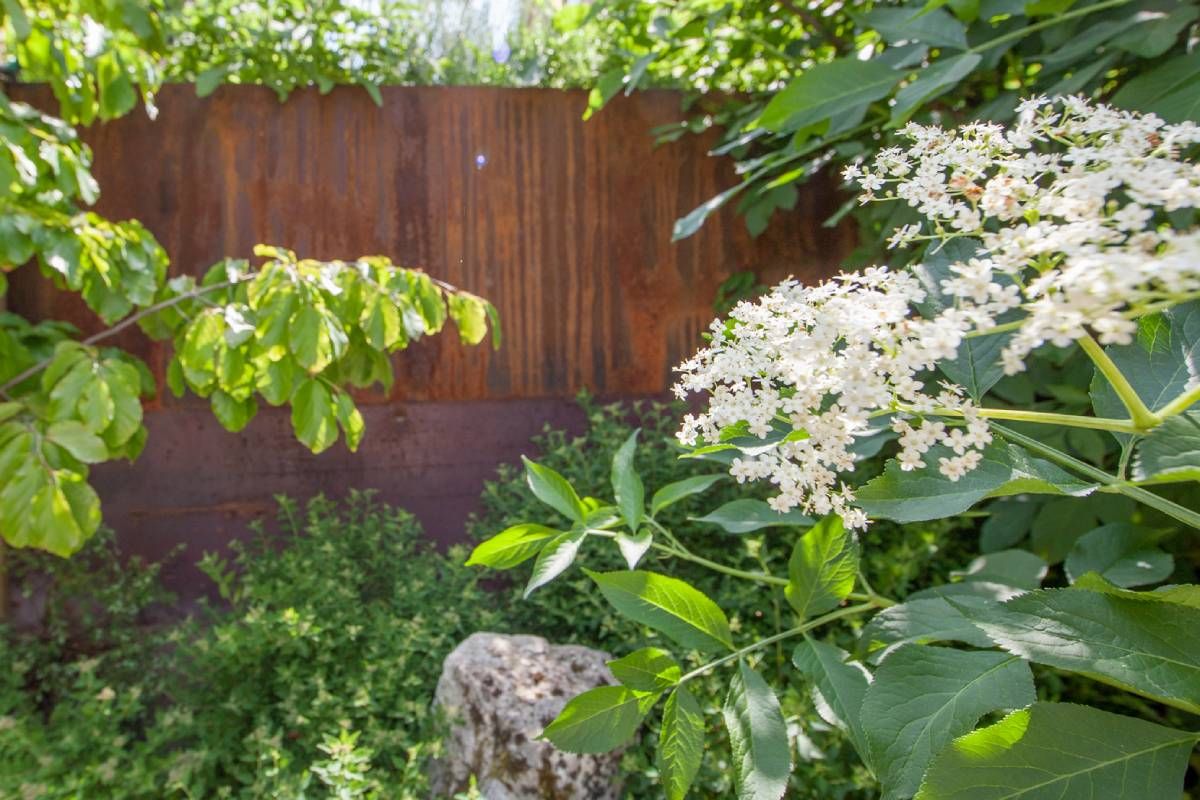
(1017, 568)
(927, 494)
(827, 89)
(1151, 648)
(923, 697)
(931, 619)
(1120, 553)
(1171, 452)
(839, 686)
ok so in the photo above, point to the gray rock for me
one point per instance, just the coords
(499, 692)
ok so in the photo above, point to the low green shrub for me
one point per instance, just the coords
(314, 681)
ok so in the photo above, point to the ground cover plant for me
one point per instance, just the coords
(1073, 232)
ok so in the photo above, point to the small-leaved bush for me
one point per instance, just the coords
(312, 679)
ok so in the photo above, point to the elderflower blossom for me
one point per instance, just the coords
(827, 359)
(1067, 210)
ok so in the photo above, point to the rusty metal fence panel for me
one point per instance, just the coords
(564, 225)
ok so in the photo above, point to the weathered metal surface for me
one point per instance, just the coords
(564, 225)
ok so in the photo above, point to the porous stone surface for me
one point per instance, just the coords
(499, 692)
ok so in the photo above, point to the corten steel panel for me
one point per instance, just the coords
(564, 225)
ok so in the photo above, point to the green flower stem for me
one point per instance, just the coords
(667, 533)
(1173, 510)
(760, 577)
(871, 595)
(1048, 418)
(799, 630)
(1180, 404)
(132, 319)
(1143, 418)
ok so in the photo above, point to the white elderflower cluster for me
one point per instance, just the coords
(826, 360)
(1069, 204)
(1069, 210)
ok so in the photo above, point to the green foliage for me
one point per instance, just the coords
(904, 718)
(312, 679)
(291, 331)
(1061, 750)
(799, 87)
(123, 46)
(570, 608)
(923, 697)
(762, 757)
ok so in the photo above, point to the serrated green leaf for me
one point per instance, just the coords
(599, 720)
(469, 315)
(762, 756)
(931, 83)
(931, 619)
(1148, 648)
(822, 568)
(839, 687)
(747, 515)
(351, 420)
(935, 26)
(233, 414)
(1059, 751)
(650, 669)
(627, 484)
(512, 546)
(668, 605)
(680, 743)
(674, 492)
(1172, 90)
(923, 697)
(554, 490)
